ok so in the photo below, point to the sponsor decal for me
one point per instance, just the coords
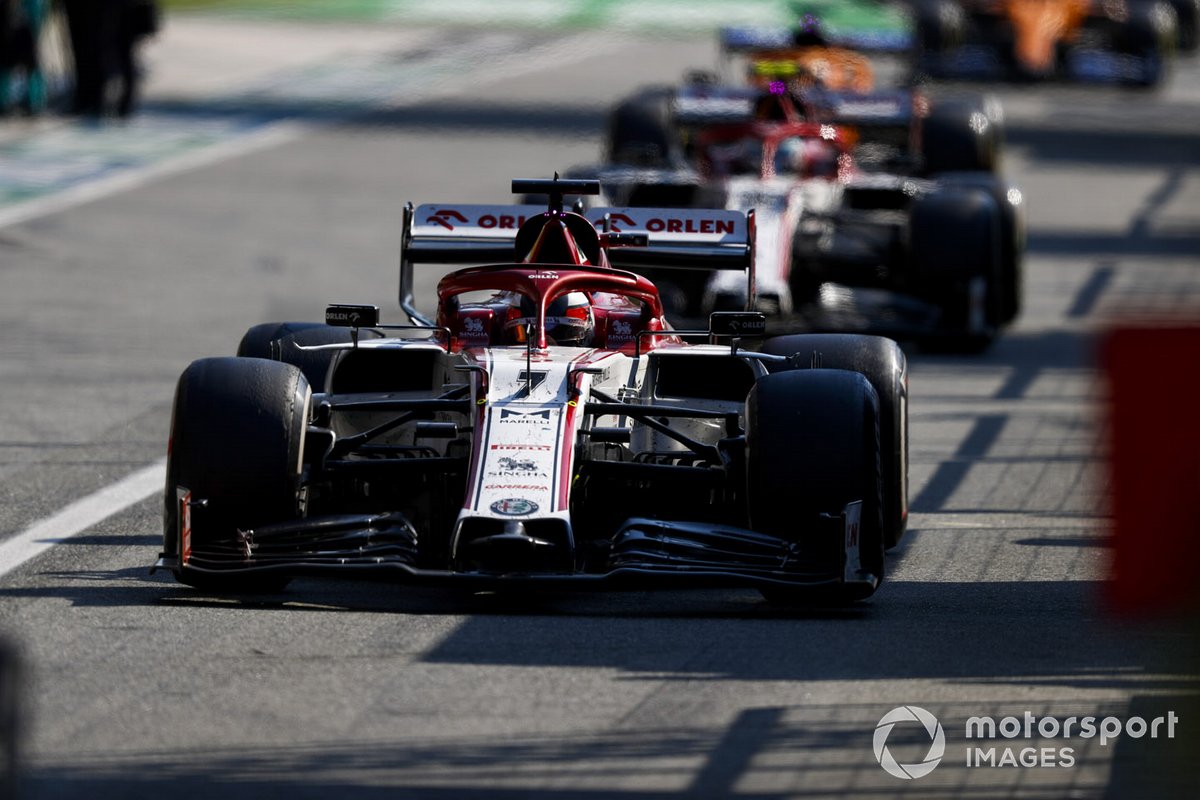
(873, 108)
(184, 498)
(673, 225)
(517, 464)
(694, 224)
(618, 219)
(514, 507)
(352, 316)
(543, 275)
(503, 221)
(473, 326)
(446, 217)
(522, 447)
(851, 522)
(516, 487)
(541, 418)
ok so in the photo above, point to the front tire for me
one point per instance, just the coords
(282, 341)
(812, 447)
(237, 440)
(885, 366)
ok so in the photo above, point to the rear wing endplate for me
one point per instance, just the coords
(678, 238)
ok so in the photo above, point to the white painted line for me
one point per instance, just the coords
(81, 515)
(261, 139)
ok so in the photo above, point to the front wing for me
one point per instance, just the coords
(644, 554)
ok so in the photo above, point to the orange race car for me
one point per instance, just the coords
(1113, 41)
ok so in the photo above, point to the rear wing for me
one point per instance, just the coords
(896, 39)
(707, 105)
(886, 108)
(675, 238)
(680, 238)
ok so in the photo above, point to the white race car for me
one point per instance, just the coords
(547, 428)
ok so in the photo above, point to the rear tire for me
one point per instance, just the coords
(1150, 33)
(237, 439)
(955, 264)
(640, 132)
(963, 134)
(1187, 15)
(812, 447)
(939, 27)
(885, 366)
(1011, 205)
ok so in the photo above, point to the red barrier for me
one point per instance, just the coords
(1153, 424)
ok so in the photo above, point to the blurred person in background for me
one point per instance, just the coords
(104, 38)
(20, 31)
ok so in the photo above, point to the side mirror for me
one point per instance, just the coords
(737, 323)
(344, 316)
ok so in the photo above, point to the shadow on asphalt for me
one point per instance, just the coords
(542, 119)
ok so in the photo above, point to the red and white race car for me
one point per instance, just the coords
(547, 428)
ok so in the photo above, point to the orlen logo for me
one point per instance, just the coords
(618, 219)
(443, 216)
(937, 747)
(656, 225)
(504, 221)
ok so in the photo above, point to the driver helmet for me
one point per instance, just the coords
(569, 320)
(806, 157)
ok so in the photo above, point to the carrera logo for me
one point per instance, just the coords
(516, 487)
(443, 217)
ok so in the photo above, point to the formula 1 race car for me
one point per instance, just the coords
(832, 79)
(548, 428)
(898, 129)
(945, 252)
(1107, 41)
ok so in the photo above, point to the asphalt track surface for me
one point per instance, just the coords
(138, 687)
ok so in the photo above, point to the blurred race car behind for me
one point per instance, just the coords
(1113, 41)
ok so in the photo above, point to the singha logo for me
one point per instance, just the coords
(517, 465)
